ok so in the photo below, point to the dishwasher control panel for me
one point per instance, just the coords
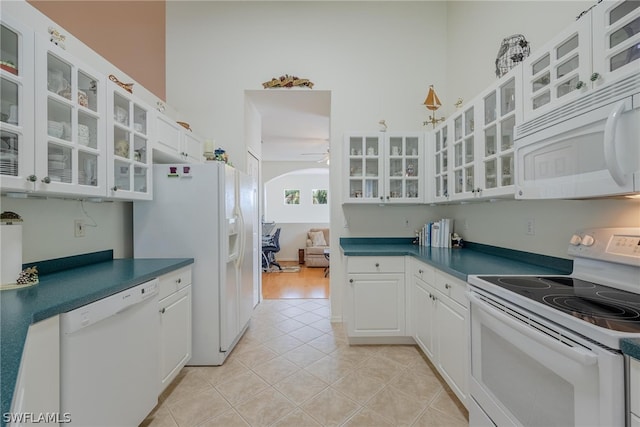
(104, 308)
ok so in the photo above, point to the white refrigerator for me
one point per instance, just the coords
(205, 211)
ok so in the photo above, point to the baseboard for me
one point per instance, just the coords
(381, 340)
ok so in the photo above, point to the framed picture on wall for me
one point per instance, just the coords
(320, 197)
(291, 197)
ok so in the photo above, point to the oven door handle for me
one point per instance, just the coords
(581, 355)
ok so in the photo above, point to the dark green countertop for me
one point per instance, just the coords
(65, 284)
(474, 258)
(631, 347)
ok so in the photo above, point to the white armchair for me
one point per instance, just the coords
(317, 242)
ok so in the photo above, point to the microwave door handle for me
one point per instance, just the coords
(610, 148)
(581, 355)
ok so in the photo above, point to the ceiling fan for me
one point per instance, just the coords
(325, 156)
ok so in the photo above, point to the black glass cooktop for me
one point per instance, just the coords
(597, 304)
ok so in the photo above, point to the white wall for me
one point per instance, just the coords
(48, 228)
(305, 180)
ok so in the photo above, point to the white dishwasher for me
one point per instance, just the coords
(109, 359)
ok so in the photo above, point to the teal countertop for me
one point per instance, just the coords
(474, 258)
(65, 284)
(631, 347)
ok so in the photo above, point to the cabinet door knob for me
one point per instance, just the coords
(32, 178)
(162, 310)
(594, 77)
(377, 264)
(179, 281)
(580, 85)
(46, 180)
(447, 286)
(350, 280)
(114, 188)
(420, 271)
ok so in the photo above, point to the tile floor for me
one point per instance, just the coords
(294, 368)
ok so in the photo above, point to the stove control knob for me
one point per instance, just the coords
(588, 240)
(575, 240)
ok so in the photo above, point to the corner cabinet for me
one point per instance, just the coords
(175, 324)
(69, 124)
(375, 297)
(440, 312)
(17, 149)
(128, 146)
(384, 168)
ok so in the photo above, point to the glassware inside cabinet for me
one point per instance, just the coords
(355, 167)
(139, 149)
(412, 169)
(121, 173)
(541, 100)
(438, 161)
(9, 104)
(395, 189)
(58, 76)
(87, 169)
(371, 144)
(490, 108)
(59, 120)
(121, 143)
(468, 122)
(395, 168)
(412, 145)
(395, 146)
(140, 179)
(355, 146)
(468, 150)
(490, 141)
(469, 179)
(508, 97)
(438, 186)
(87, 130)
(567, 87)
(9, 153)
(121, 110)
(506, 133)
(458, 181)
(87, 91)
(457, 128)
(371, 188)
(490, 174)
(59, 163)
(9, 50)
(445, 161)
(506, 164)
(139, 119)
(355, 188)
(371, 168)
(457, 148)
(412, 188)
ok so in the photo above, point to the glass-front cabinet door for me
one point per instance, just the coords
(616, 40)
(17, 168)
(464, 140)
(128, 149)
(364, 161)
(559, 71)
(441, 166)
(497, 137)
(70, 144)
(404, 165)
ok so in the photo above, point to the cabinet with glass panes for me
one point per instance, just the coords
(463, 148)
(129, 172)
(500, 107)
(440, 139)
(384, 168)
(599, 48)
(17, 167)
(69, 112)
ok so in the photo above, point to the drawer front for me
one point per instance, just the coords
(423, 271)
(452, 287)
(375, 264)
(174, 281)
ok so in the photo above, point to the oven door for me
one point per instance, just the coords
(530, 372)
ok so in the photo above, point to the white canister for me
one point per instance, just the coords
(11, 253)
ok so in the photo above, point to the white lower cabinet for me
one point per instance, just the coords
(37, 388)
(440, 311)
(634, 391)
(175, 324)
(375, 297)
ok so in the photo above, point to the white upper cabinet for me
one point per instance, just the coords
(441, 171)
(463, 152)
(128, 146)
(384, 168)
(16, 106)
(175, 143)
(69, 124)
(598, 49)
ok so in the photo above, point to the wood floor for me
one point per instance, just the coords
(307, 283)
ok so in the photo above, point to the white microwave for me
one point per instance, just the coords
(586, 148)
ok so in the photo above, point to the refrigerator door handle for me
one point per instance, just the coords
(241, 236)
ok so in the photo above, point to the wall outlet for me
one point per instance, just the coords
(78, 227)
(530, 227)
(406, 222)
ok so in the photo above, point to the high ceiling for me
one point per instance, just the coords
(295, 123)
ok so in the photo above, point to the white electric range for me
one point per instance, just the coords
(545, 350)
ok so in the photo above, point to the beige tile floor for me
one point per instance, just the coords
(294, 368)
